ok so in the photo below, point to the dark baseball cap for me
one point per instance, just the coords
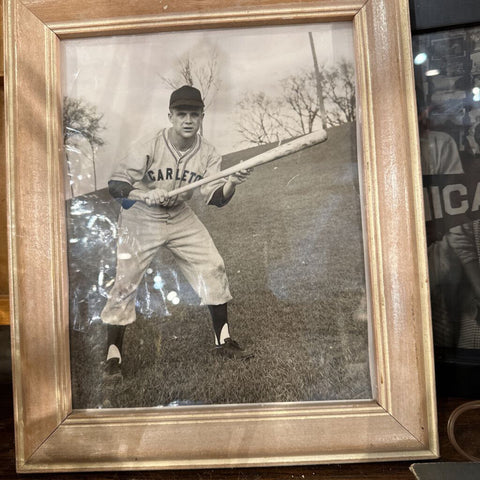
(186, 96)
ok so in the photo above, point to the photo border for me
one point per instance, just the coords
(399, 423)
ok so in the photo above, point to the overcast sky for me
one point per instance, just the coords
(121, 76)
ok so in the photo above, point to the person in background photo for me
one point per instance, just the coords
(453, 256)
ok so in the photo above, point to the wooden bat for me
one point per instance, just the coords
(281, 151)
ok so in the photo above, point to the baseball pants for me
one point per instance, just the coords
(141, 236)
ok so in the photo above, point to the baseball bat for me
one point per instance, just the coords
(276, 153)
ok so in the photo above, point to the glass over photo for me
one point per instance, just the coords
(214, 217)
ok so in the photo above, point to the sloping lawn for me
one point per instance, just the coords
(292, 243)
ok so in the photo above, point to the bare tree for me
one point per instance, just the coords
(201, 72)
(265, 119)
(260, 119)
(82, 119)
(300, 95)
(296, 110)
(339, 90)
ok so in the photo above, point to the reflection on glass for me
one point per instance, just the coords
(290, 238)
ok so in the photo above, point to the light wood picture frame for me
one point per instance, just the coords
(398, 423)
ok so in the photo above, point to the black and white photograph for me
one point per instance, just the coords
(214, 218)
(448, 103)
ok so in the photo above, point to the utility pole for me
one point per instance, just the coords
(317, 81)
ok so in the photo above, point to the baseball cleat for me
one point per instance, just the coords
(231, 349)
(112, 371)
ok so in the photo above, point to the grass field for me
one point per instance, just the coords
(292, 243)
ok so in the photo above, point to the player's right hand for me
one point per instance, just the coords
(240, 176)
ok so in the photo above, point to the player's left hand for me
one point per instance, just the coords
(157, 196)
(240, 176)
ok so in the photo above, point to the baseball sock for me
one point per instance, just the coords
(114, 341)
(220, 323)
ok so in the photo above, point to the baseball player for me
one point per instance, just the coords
(149, 219)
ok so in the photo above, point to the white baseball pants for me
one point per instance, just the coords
(140, 237)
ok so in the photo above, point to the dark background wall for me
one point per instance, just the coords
(433, 14)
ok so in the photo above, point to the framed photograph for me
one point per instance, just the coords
(448, 100)
(136, 121)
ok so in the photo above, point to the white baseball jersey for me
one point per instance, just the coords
(157, 163)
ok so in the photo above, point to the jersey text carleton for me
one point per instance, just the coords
(170, 174)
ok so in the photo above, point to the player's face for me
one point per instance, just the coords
(186, 121)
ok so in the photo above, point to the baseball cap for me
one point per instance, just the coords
(186, 96)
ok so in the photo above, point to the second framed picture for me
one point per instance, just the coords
(448, 101)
